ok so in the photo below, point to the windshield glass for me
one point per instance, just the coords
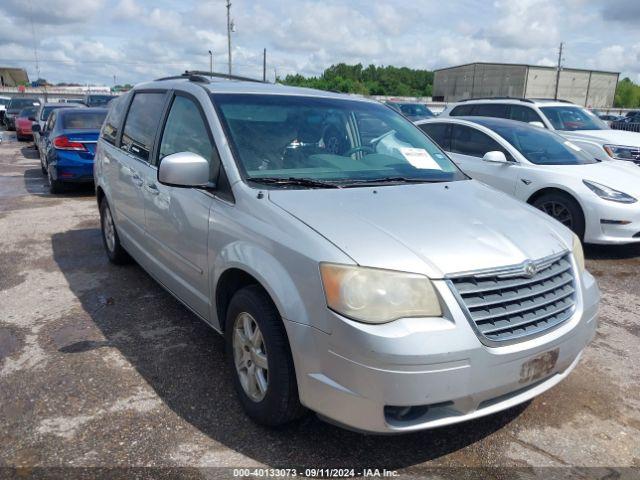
(331, 140)
(543, 147)
(20, 103)
(4, 101)
(46, 111)
(28, 112)
(572, 118)
(99, 100)
(415, 110)
(83, 120)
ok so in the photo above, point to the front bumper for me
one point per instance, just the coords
(611, 223)
(358, 375)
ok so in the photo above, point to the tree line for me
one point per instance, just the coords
(408, 82)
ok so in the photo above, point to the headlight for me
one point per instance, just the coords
(578, 253)
(621, 152)
(609, 193)
(377, 296)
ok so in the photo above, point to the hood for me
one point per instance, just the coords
(435, 229)
(618, 174)
(613, 137)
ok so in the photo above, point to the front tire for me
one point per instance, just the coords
(116, 253)
(563, 208)
(260, 359)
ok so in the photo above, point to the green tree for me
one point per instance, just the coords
(627, 94)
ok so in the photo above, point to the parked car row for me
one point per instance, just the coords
(387, 275)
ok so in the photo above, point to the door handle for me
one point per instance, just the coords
(136, 179)
(152, 188)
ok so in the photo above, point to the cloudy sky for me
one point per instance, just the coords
(90, 41)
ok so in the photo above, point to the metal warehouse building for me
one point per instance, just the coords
(591, 88)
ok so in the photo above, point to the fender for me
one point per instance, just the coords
(271, 274)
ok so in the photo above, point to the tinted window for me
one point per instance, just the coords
(186, 131)
(497, 110)
(142, 123)
(571, 118)
(83, 120)
(469, 141)
(46, 111)
(415, 110)
(543, 147)
(439, 132)
(99, 100)
(28, 112)
(114, 119)
(461, 110)
(51, 122)
(20, 103)
(524, 114)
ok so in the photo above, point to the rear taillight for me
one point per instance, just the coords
(63, 143)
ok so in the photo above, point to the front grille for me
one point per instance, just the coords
(510, 304)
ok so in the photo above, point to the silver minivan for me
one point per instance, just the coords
(352, 268)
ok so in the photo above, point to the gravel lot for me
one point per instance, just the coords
(100, 367)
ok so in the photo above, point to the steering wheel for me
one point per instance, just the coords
(359, 148)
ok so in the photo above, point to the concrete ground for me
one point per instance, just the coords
(100, 367)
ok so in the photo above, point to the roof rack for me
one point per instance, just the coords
(551, 100)
(496, 98)
(201, 77)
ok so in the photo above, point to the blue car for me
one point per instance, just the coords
(68, 145)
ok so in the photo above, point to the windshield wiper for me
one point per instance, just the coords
(375, 181)
(301, 182)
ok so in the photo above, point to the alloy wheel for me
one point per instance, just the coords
(250, 357)
(109, 230)
(558, 211)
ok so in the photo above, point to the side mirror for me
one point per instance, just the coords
(537, 124)
(495, 157)
(35, 128)
(184, 169)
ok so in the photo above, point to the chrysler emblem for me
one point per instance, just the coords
(530, 269)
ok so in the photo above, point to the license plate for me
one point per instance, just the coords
(539, 367)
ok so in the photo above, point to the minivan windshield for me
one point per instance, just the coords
(315, 141)
(571, 118)
(543, 147)
(20, 103)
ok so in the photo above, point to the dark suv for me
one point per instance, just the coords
(14, 107)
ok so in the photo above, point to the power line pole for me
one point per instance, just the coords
(229, 32)
(210, 62)
(558, 70)
(264, 65)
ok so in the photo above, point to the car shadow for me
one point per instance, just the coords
(612, 252)
(182, 359)
(36, 183)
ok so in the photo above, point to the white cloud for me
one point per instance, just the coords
(142, 39)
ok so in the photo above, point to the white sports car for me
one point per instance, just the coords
(597, 200)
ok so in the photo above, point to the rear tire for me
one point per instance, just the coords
(110, 239)
(564, 208)
(273, 399)
(55, 186)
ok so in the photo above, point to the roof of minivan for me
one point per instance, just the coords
(546, 102)
(240, 86)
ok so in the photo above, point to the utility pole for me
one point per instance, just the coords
(229, 27)
(558, 70)
(264, 65)
(210, 62)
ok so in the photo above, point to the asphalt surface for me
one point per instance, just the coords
(100, 367)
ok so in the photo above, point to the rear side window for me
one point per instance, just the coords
(142, 123)
(461, 110)
(496, 110)
(114, 119)
(439, 132)
(524, 114)
(469, 141)
(186, 131)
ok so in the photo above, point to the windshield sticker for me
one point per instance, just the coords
(420, 158)
(573, 146)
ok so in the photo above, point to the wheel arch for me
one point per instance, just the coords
(554, 189)
(241, 264)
